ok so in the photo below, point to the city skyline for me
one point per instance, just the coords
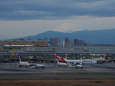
(20, 18)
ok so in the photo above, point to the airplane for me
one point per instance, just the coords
(100, 60)
(64, 62)
(36, 66)
(94, 60)
(27, 64)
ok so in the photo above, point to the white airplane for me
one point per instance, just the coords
(95, 60)
(36, 66)
(65, 62)
(100, 60)
(27, 64)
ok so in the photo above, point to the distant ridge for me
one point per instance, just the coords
(105, 36)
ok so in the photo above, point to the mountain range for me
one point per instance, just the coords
(105, 36)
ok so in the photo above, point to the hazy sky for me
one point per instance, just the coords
(20, 18)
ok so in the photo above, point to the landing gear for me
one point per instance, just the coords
(20, 66)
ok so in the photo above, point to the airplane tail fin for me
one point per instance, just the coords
(19, 59)
(60, 59)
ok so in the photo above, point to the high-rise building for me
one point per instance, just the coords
(54, 42)
(75, 42)
(66, 42)
(71, 43)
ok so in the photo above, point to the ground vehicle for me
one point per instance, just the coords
(36, 66)
(79, 66)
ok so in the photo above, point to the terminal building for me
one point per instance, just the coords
(47, 53)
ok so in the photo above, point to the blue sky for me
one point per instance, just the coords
(20, 18)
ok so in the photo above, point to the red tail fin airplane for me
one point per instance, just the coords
(60, 59)
(70, 63)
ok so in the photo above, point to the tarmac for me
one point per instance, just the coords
(52, 71)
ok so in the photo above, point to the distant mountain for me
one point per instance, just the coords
(89, 36)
